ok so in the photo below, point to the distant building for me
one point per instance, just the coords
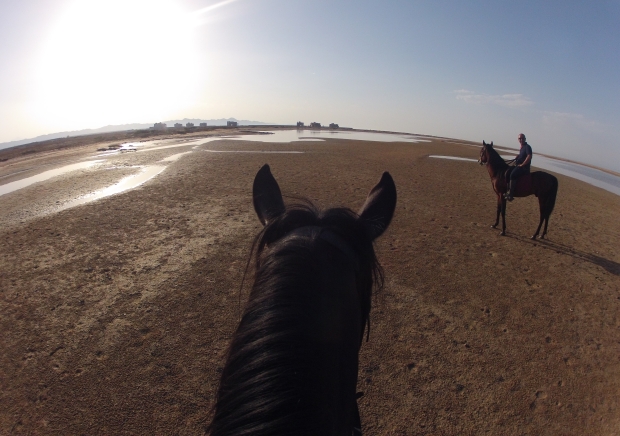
(315, 125)
(203, 124)
(300, 124)
(231, 123)
(190, 125)
(160, 126)
(178, 125)
(333, 126)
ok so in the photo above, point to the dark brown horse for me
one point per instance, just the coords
(292, 365)
(542, 185)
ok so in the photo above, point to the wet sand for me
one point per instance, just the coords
(116, 314)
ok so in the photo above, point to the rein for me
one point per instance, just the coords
(489, 158)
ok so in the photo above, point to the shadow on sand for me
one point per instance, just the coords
(608, 265)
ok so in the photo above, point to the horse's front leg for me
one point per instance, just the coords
(499, 209)
(503, 205)
(544, 233)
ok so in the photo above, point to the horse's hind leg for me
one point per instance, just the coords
(541, 206)
(538, 229)
(545, 213)
(544, 233)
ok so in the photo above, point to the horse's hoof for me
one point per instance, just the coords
(534, 237)
(502, 234)
(493, 226)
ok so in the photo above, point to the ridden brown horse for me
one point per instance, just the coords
(542, 185)
(292, 366)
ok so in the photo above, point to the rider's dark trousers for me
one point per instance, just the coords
(515, 174)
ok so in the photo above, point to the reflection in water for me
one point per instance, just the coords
(453, 158)
(320, 135)
(14, 186)
(125, 147)
(283, 136)
(129, 182)
(164, 147)
(592, 176)
(254, 151)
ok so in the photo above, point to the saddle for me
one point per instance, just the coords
(524, 182)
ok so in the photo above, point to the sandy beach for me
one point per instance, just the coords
(116, 314)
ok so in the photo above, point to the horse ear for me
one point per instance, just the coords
(484, 143)
(491, 144)
(266, 196)
(379, 207)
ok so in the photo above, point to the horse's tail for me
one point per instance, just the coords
(553, 193)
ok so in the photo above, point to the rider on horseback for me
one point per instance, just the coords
(522, 162)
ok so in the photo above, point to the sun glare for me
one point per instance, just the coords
(116, 61)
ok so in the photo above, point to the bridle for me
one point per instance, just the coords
(486, 153)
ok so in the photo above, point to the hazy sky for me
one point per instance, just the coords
(473, 70)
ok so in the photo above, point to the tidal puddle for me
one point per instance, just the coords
(149, 146)
(123, 148)
(46, 175)
(255, 151)
(283, 136)
(321, 135)
(598, 178)
(164, 147)
(175, 157)
(453, 158)
(125, 184)
(592, 176)
(589, 175)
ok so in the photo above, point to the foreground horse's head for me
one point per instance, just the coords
(293, 361)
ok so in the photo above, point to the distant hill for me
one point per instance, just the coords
(125, 127)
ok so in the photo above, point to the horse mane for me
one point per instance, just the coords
(495, 160)
(264, 386)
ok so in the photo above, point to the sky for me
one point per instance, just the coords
(475, 70)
